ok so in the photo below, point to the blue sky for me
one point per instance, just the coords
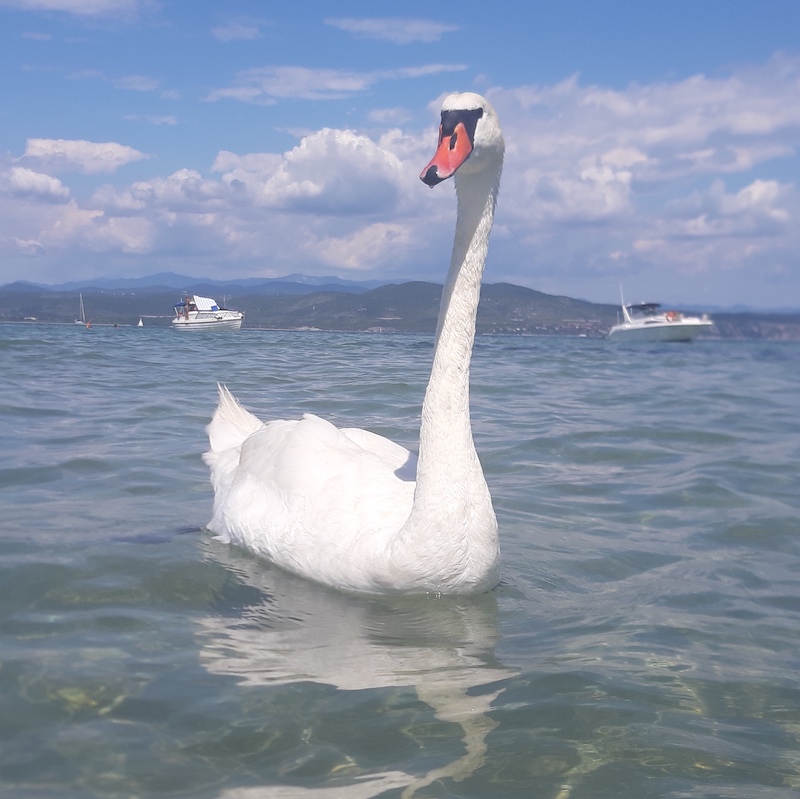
(649, 144)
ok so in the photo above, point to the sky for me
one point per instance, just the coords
(650, 145)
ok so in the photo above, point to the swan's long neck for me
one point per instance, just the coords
(448, 469)
(445, 431)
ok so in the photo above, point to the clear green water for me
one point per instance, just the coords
(643, 643)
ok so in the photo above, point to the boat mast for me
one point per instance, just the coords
(626, 316)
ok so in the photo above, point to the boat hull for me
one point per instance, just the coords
(207, 324)
(666, 331)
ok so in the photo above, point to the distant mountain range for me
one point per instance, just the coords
(298, 302)
(153, 284)
(289, 284)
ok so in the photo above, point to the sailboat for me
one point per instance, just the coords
(141, 323)
(82, 320)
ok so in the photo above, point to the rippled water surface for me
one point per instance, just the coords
(643, 642)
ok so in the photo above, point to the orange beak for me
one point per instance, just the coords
(451, 153)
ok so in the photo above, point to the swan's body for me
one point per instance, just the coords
(341, 506)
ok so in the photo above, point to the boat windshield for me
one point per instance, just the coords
(644, 309)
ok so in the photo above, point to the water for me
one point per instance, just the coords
(643, 643)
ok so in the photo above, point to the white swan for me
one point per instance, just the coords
(340, 506)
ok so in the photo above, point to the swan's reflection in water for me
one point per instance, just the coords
(300, 632)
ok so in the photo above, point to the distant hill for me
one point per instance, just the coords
(405, 307)
(152, 284)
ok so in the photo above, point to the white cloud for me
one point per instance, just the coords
(762, 208)
(331, 172)
(335, 172)
(395, 30)
(89, 158)
(30, 247)
(68, 228)
(88, 8)
(236, 31)
(183, 191)
(365, 248)
(136, 83)
(305, 83)
(585, 156)
(22, 182)
(338, 200)
(253, 163)
(677, 131)
(268, 84)
(389, 116)
(90, 229)
(153, 120)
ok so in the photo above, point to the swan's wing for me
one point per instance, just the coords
(314, 458)
(395, 456)
(312, 498)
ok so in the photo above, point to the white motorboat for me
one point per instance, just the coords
(203, 313)
(646, 321)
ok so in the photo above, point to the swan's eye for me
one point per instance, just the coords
(452, 119)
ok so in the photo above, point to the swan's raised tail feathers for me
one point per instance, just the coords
(231, 423)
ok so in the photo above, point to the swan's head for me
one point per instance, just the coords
(469, 139)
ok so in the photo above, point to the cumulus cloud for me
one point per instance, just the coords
(252, 163)
(338, 199)
(22, 182)
(69, 227)
(331, 172)
(87, 228)
(686, 127)
(585, 155)
(182, 191)
(335, 172)
(365, 248)
(89, 158)
(762, 208)
(393, 29)
(268, 84)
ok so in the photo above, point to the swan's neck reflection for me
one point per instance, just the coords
(297, 631)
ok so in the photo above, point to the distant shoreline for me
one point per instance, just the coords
(411, 307)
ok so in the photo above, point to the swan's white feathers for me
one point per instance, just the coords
(311, 497)
(229, 427)
(341, 506)
(393, 455)
(231, 423)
